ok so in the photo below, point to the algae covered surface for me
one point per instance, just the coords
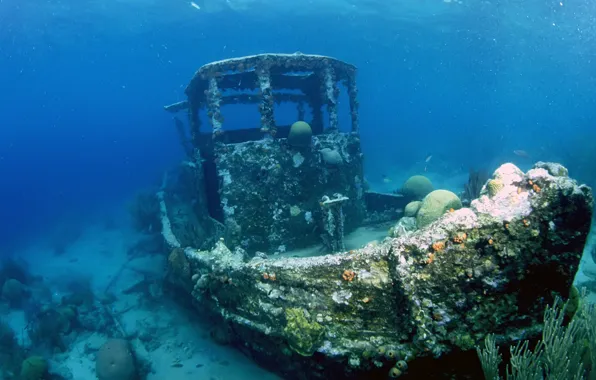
(489, 268)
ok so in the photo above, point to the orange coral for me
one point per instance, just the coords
(526, 222)
(460, 237)
(490, 241)
(438, 246)
(536, 188)
(431, 258)
(348, 275)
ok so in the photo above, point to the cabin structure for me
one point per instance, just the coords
(269, 193)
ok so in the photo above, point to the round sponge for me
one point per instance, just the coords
(300, 134)
(416, 187)
(436, 204)
(115, 361)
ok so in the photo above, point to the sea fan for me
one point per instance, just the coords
(476, 180)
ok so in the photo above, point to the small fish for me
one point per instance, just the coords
(177, 365)
(386, 179)
(521, 153)
(195, 5)
(428, 158)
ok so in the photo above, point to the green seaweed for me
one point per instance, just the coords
(303, 336)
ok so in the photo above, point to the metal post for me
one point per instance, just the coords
(266, 105)
(300, 109)
(214, 107)
(353, 96)
(331, 92)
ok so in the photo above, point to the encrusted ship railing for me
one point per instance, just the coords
(316, 77)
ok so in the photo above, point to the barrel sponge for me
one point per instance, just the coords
(33, 368)
(115, 361)
(300, 134)
(417, 187)
(436, 204)
(412, 208)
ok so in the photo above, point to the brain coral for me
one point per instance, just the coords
(416, 187)
(494, 186)
(300, 134)
(412, 208)
(436, 204)
(115, 361)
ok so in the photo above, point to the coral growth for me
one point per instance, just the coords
(115, 361)
(300, 135)
(566, 350)
(494, 186)
(303, 335)
(416, 187)
(435, 205)
(476, 180)
(412, 208)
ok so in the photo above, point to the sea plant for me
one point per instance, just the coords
(476, 179)
(566, 350)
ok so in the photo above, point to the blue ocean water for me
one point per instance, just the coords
(445, 86)
(84, 83)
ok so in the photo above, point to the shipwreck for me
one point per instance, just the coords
(246, 198)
